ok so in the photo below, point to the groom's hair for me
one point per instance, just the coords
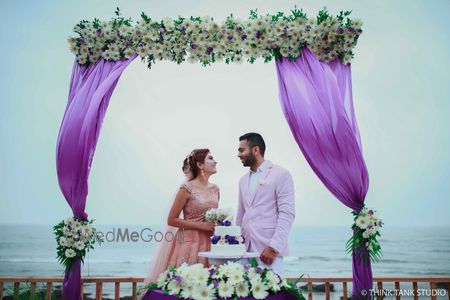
(254, 139)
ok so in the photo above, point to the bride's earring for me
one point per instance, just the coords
(203, 174)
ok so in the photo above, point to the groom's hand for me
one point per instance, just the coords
(268, 255)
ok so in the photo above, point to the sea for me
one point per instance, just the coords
(30, 250)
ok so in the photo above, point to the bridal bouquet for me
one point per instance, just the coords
(222, 281)
(75, 238)
(218, 215)
(366, 229)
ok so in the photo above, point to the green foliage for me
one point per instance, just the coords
(294, 290)
(253, 14)
(145, 18)
(323, 15)
(298, 13)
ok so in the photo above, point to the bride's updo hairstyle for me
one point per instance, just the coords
(196, 156)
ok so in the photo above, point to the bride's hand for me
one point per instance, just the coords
(206, 226)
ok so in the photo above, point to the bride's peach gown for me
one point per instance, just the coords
(185, 249)
(188, 242)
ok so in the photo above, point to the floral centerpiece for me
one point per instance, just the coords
(366, 229)
(220, 216)
(75, 238)
(222, 281)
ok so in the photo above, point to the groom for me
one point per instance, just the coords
(266, 207)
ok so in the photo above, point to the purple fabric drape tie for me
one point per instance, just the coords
(316, 99)
(90, 91)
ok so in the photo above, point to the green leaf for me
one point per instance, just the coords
(253, 262)
(298, 13)
(253, 14)
(145, 18)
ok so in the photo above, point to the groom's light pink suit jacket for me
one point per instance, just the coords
(266, 217)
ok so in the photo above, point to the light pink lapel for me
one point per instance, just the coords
(245, 190)
(262, 179)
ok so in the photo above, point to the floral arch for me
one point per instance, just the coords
(312, 57)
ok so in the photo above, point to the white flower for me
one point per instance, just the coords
(76, 225)
(115, 56)
(372, 231)
(66, 231)
(63, 242)
(251, 273)
(128, 52)
(203, 292)
(183, 270)
(362, 222)
(225, 289)
(239, 58)
(242, 289)
(259, 291)
(70, 242)
(199, 274)
(161, 281)
(235, 275)
(187, 291)
(173, 287)
(357, 23)
(86, 231)
(366, 234)
(70, 253)
(273, 281)
(79, 245)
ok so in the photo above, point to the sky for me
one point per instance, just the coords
(156, 117)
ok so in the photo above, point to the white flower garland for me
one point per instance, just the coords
(201, 39)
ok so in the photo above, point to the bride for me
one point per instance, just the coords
(187, 216)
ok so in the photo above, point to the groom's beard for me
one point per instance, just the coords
(249, 161)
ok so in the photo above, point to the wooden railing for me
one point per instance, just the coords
(377, 289)
(326, 281)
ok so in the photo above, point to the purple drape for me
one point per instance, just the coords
(316, 99)
(90, 91)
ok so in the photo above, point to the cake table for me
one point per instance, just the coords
(220, 259)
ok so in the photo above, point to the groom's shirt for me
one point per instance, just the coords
(254, 177)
